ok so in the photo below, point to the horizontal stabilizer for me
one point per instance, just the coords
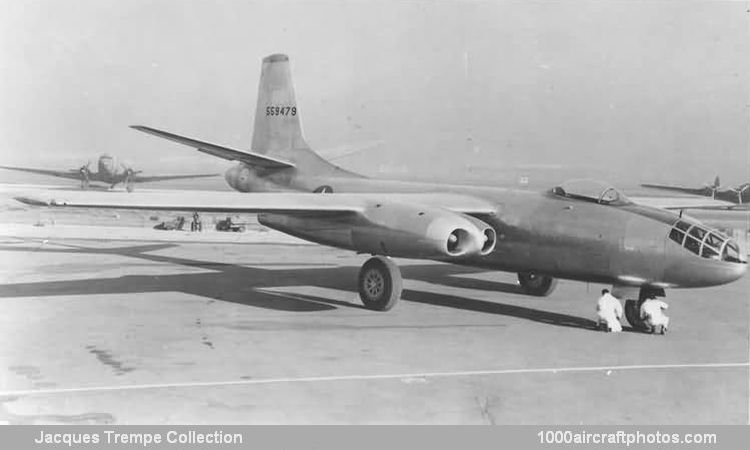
(249, 158)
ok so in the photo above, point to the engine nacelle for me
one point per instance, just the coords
(393, 229)
(413, 231)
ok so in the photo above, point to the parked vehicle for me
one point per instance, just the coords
(228, 225)
(176, 224)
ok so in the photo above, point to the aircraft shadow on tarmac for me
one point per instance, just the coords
(246, 285)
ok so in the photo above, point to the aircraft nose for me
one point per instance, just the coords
(736, 256)
(735, 271)
(743, 254)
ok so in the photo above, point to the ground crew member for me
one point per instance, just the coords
(609, 312)
(196, 224)
(652, 314)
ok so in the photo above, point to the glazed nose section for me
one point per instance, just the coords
(737, 257)
(733, 272)
(743, 260)
(743, 255)
(732, 252)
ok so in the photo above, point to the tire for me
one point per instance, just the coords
(633, 314)
(538, 285)
(379, 283)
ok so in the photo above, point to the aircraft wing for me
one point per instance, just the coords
(72, 174)
(694, 191)
(146, 179)
(683, 202)
(236, 202)
(250, 158)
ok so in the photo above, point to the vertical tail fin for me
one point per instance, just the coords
(277, 125)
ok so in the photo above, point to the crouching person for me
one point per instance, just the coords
(652, 314)
(609, 312)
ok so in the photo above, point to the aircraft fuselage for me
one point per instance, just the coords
(109, 171)
(537, 232)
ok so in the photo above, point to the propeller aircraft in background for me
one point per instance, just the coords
(739, 195)
(110, 172)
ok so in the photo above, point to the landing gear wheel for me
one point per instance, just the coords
(633, 314)
(535, 284)
(380, 283)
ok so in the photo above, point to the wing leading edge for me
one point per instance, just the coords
(70, 174)
(235, 202)
(685, 190)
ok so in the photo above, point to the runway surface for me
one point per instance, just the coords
(184, 332)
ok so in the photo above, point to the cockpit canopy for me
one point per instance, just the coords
(591, 191)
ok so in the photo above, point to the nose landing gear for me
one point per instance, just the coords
(633, 307)
(633, 314)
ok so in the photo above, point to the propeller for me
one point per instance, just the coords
(130, 174)
(85, 172)
(712, 188)
(85, 169)
(742, 192)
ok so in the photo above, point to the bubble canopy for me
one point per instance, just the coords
(591, 191)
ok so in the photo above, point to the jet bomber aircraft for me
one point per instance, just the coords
(580, 230)
(110, 172)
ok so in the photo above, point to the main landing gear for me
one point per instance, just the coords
(380, 283)
(535, 284)
(633, 307)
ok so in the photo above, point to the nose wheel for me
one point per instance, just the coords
(633, 307)
(633, 314)
(379, 283)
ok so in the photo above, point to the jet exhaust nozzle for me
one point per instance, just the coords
(490, 239)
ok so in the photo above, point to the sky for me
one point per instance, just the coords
(630, 91)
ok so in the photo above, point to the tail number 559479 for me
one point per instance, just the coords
(281, 110)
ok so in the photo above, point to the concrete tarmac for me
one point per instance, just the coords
(185, 333)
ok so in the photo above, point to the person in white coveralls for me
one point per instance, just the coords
(609, 312)
(652, 314)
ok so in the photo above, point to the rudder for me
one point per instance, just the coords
(277, 124)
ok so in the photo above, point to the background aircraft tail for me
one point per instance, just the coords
(277, 125)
